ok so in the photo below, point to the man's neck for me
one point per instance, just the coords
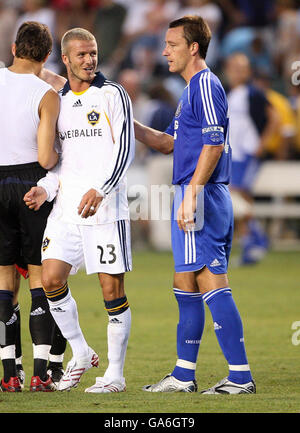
(78, 86)
(193, 69)
(25, 66)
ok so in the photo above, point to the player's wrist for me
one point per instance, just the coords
(41, 185)
(46, 192)
(99, 191)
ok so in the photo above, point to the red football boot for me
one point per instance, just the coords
(37, 384)
(13, 385)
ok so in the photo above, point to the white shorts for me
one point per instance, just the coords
(101, 248)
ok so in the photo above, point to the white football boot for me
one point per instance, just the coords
(75, 369)
(105, 386)
(170, 384)
(225, 386)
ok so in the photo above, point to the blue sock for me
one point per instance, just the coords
(254, 245)
(229, 331)
(189, 333)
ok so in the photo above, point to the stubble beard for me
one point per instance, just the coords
(77, 77)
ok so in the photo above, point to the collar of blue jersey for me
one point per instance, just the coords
(200, 72)
(98, 81)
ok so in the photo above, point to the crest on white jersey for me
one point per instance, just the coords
(45, 244)
(93, 117)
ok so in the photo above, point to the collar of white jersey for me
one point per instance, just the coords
(98, 81)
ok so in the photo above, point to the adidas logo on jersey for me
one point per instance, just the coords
(37, 312)
(215, 263)
(217, 326)
(77, 103)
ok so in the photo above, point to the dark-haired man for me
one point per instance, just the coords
(202, 217)
(29, 110)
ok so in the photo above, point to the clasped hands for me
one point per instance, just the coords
(88, 206)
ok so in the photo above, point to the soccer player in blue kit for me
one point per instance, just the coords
(202, 216)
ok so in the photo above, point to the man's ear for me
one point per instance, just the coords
(13, 49)
(64, 58)
(46, 58)
(194, 48)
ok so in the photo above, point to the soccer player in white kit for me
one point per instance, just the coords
(90, 218)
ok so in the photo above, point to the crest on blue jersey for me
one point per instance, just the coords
(93, 117)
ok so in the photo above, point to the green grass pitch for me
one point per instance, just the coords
(268, 298)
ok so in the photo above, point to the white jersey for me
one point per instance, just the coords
(243, 135)
(96, 134)
(20, 98)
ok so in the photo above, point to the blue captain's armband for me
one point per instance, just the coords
(213, 135)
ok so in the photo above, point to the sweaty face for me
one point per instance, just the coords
(81, 59)
(176, 50)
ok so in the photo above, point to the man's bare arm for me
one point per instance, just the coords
(55, 80)
(207, 162)
(48, 111)
(157, 140)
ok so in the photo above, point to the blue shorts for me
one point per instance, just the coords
(244, 172)
(210, 243)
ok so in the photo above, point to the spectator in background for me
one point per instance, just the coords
(253, 120)
(70, 14)
(73, 13)
(143, 39)
(162, 106)
(212, 14)
(253, 13)
(260, 54)
(40, 11)
(296, 107)
(137, 178)
(287, 33)
(108, 30)
(154, 107)
(8, 18)
(132, 81)
(250, 31)
(280, 144)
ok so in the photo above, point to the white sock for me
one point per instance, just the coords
(65, 315)
(8, 352)
(118, 330)
(56, 358)
(41, 351)
(18, 360)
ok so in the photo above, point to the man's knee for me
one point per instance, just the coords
(52, 282)
(185, 281)
(208, 281)
(112, 286)
(54, 274)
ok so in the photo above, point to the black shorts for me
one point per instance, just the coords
(21, 229)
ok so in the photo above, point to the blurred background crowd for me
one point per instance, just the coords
(255, 51)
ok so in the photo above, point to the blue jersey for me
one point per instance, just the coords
(200, 119)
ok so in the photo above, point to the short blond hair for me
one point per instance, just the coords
(75, 34)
